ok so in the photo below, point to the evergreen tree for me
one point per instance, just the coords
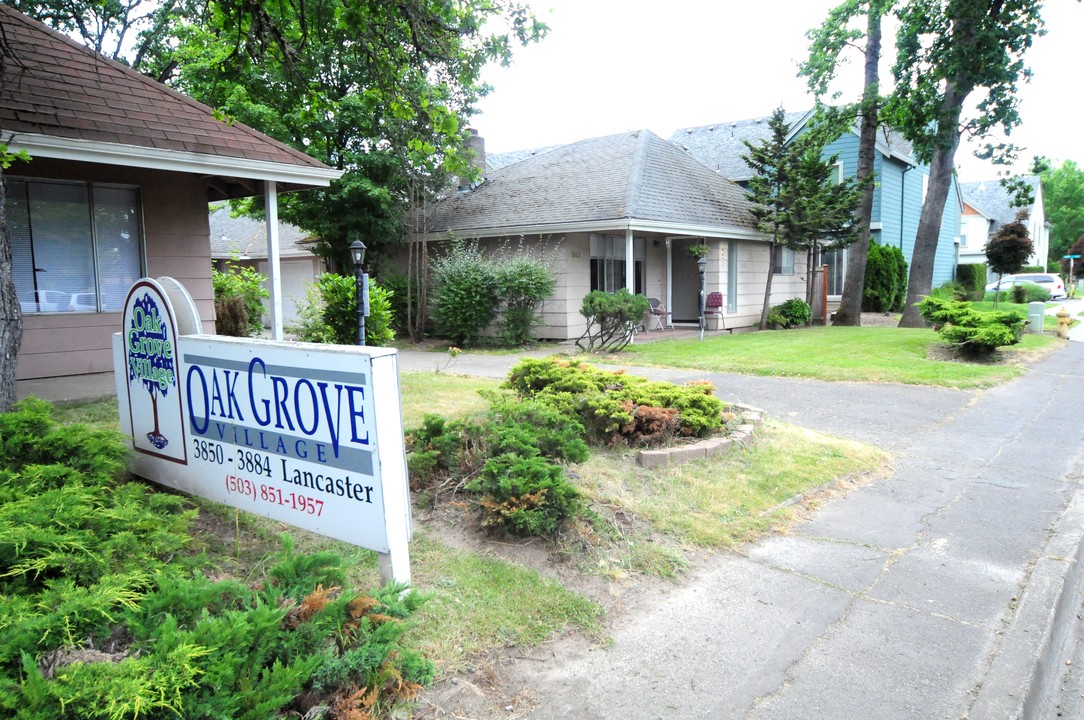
(795, 200)
(828, 43)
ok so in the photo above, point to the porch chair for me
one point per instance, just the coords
(714, 306)
(656, 312)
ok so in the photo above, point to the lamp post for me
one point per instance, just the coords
(702, 266)
(361, 290)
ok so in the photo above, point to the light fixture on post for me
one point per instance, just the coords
(702, 266)
(361, 289)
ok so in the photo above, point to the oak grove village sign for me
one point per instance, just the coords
(307, 434)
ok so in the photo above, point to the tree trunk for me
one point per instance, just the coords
(11, 316)
(11, 320)
(768, 285)
(849, 311)
(920, 278)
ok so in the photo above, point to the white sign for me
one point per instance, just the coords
(307, 434)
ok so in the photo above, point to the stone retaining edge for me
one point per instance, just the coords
(743, 436)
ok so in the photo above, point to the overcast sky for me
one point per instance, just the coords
(609, 66)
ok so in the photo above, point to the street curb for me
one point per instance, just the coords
(1028, 664)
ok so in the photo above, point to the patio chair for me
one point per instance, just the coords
(658, 313)
(713, 306)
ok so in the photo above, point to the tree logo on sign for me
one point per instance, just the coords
(150, 358)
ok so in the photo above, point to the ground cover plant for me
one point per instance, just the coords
(474, 603)
(105, 615)
(869, 354)
(971, 331)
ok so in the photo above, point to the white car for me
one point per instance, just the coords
(1048, 281)
(83, 302)
(42, 301)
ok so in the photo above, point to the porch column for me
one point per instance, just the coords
(630, 263)
(274, 276)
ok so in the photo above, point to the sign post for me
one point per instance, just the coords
(1070, 258)
(307, 434)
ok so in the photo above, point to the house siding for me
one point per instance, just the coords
(176, 244)
(944, 265)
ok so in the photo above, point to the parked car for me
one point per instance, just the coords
(83, 302)
(1048, 281)
(42, 301)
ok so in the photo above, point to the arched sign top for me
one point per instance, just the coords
(184, 308)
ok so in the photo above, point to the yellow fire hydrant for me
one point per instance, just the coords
(1063, 323)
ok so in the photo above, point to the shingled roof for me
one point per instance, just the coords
(245, 238)
(63, 100)
(631, 180)
(992, 199)
(720, 146)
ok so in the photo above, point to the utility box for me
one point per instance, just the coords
(1036, 312)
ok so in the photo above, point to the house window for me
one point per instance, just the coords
(783, 261)
(837, 173)
(75, 246)
(836, 262)
(608, 263)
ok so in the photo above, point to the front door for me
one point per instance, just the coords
(685, 281)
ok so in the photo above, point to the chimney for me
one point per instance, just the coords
(477, 144)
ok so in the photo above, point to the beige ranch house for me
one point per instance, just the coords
(121, 175)
(622, 211)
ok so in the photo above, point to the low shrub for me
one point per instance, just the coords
(244, 283)
(791, 313)
(329, 313)
(611, 318)
(952, 291)
(231, 318)
(973, 279)
(1020, 293)
(609, 404)
(524, 284)
(511, 454)
(466, 293)
(106, 613)
(971, 331)
(524, 495)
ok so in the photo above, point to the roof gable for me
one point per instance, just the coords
(60, 94)
(634, 176)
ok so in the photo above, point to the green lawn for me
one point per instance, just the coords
(872, 354)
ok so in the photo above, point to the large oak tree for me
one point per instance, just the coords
(950, 55)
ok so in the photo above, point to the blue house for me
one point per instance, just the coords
(900, 189)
